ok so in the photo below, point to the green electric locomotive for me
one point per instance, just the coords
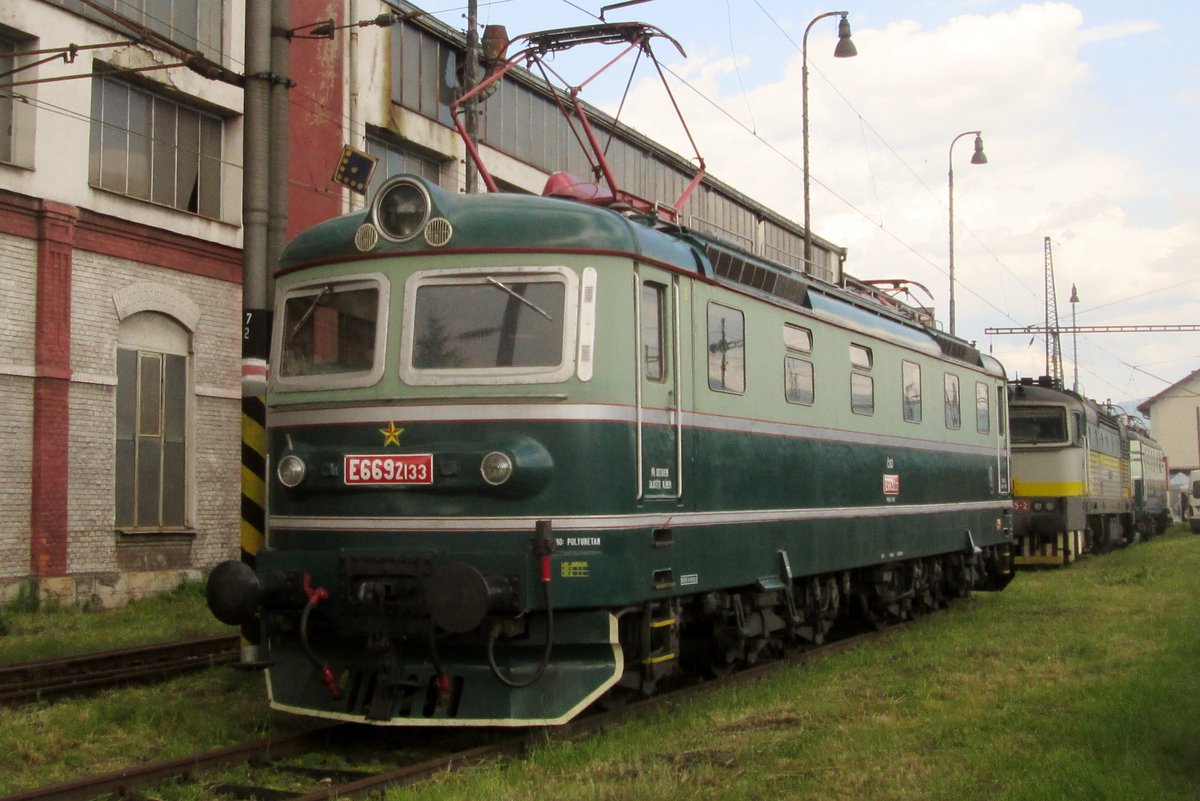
(528, 451)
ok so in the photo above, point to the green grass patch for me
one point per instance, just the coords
(1077, 684)
(48, 743)
(56, 631)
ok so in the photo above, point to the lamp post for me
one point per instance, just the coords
(845, 49)
(977, 158)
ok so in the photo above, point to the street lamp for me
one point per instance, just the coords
(977, 158)
(845, 49)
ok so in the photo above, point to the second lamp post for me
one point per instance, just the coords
(977, 158)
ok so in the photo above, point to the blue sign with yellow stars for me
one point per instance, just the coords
(354, 169)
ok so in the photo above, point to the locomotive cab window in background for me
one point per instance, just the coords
(329, 334)
(911, 376)
(490, 326)
(152, 424)
(726, 349)
(798, 385)
(953, 404)
(654, 331)
(983, 412)
(862, 386)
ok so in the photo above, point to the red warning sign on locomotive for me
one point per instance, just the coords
(389, 468)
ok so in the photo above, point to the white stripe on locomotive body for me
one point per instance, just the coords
(633, 522)
(604, 413)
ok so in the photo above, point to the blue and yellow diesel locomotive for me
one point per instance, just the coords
(526, 451)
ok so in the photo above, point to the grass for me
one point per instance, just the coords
(56, 631)
(46, 744)
(1077, 684)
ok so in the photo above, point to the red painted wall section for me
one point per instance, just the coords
(51, 412)
(316, 116)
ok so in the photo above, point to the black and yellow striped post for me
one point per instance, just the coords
(255, 345)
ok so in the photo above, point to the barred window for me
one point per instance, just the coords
(192, 24)
(7, 64)
(152, 424)
(424, 72)
(396, 160)
(146, 146)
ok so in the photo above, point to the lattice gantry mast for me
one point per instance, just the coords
(1054, 365)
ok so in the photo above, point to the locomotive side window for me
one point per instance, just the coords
(798, 386)
(862, 386)
(797, 338)
(953, 405)
(798, 377)
(983, 411)
(654, 331)
(726, 349)
(490, 326)
(330, 329)
(911, 376)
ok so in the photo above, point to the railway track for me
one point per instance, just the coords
(412, 755)
(78, 675)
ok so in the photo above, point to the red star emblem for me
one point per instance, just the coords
(391, 434)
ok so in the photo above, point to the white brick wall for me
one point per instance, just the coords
(16, 459)
(18, 263)
(215, 440)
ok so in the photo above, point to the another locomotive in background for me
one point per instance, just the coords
(1085, 479)
(1150, 481)
(529, 451)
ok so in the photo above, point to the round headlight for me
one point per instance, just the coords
(1037, 506)
(401, 210)
(291, 470)
(496, 468)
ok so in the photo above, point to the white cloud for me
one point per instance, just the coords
(1022, 76)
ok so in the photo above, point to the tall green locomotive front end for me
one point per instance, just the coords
(442, 451)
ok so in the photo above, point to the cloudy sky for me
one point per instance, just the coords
(1086, 108)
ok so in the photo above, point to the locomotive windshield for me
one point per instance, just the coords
(329, 329)
(487, 326)
(1038, 425)
(491, 324)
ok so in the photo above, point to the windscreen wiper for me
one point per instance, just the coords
(309, 313)
(506, 288)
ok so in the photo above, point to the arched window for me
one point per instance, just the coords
(153, 417)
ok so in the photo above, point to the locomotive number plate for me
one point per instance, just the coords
(1020, 505)
(389, 468)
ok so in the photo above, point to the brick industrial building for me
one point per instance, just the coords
(121, 239)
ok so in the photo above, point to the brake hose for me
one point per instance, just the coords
(314, 598)
(494, 633)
